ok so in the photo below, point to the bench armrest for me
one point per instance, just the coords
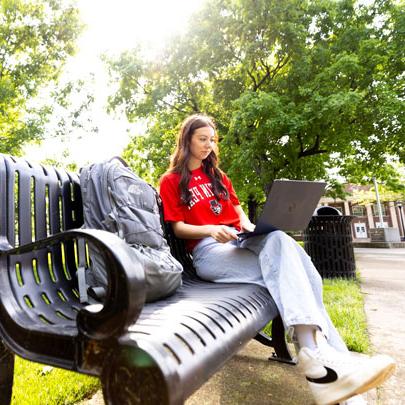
(126, 285)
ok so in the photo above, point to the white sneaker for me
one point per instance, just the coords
(334, 376)
(356, 400)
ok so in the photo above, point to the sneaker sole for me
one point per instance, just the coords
(327, 397)
(381, 378)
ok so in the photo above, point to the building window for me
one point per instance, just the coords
(360, 230)
(359, 210)
(383, 210)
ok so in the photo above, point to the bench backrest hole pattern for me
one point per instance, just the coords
(60, 314)
(33, 209)
(62, 296)
(35, 271)
(46, 299)
(42, 292)
(45, 320)
(47, 211)
(38, 202)
(18, 274)
(50, 267)
(28, 301)
(16, 208)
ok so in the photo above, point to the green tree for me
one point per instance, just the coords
(36, 38)
(299, 89)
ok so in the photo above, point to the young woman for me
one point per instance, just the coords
(200, 202)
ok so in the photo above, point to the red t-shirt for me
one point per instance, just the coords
(204, 208)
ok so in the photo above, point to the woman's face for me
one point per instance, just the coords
(202, 143)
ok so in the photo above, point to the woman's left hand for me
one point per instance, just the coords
(245, 223)
(247, 226)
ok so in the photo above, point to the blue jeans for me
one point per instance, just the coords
(276, 262)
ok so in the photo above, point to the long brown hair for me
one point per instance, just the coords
(181, 156)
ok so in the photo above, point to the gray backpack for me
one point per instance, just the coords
(116, 200)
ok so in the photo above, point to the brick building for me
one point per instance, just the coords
(366, 215)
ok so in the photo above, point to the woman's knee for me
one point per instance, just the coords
(281, 239)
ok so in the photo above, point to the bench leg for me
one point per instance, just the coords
(277, 341)
(131, 377)
(6, 374)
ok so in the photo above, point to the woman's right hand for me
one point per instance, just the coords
(222, 233)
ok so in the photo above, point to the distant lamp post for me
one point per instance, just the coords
(399, 206)
(377, 195)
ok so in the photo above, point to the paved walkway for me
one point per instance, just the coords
(249, 378)
(383, 284)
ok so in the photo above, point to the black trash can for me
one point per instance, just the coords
(328, 241)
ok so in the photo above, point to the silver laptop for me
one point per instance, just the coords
(289, 206)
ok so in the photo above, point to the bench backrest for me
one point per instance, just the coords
(38, 201)
(39, 285)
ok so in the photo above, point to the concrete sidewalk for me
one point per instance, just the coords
(383, 284)
(249, 378)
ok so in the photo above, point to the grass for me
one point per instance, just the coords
(344, 303)
(34, 386)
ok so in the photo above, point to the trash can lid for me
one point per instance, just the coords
(326, 210)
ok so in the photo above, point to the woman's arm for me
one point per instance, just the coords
(245, 223)
(220, 233)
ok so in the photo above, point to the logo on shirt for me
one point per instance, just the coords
(216, 207)
(197, 178)
(199, 193)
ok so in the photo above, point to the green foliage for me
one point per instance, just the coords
(149, 155)
(385, 193)
(36, 37)
(72, 103)
(299, 89)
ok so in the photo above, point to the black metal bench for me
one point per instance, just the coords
(157, 353)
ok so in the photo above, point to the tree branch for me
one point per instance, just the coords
(314, 150)
(265, 77)
(310, 152)
(253, 78)
(280, 64)
(270, 73)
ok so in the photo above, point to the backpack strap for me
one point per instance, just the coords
(119, 158)
(81, 280)
(85, 279)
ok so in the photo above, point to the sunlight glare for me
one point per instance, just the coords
(121, 24)
(112, 27)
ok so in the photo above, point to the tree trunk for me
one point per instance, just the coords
(252, 208)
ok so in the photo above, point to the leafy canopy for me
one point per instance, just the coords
(36, 37)
(299, 89)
